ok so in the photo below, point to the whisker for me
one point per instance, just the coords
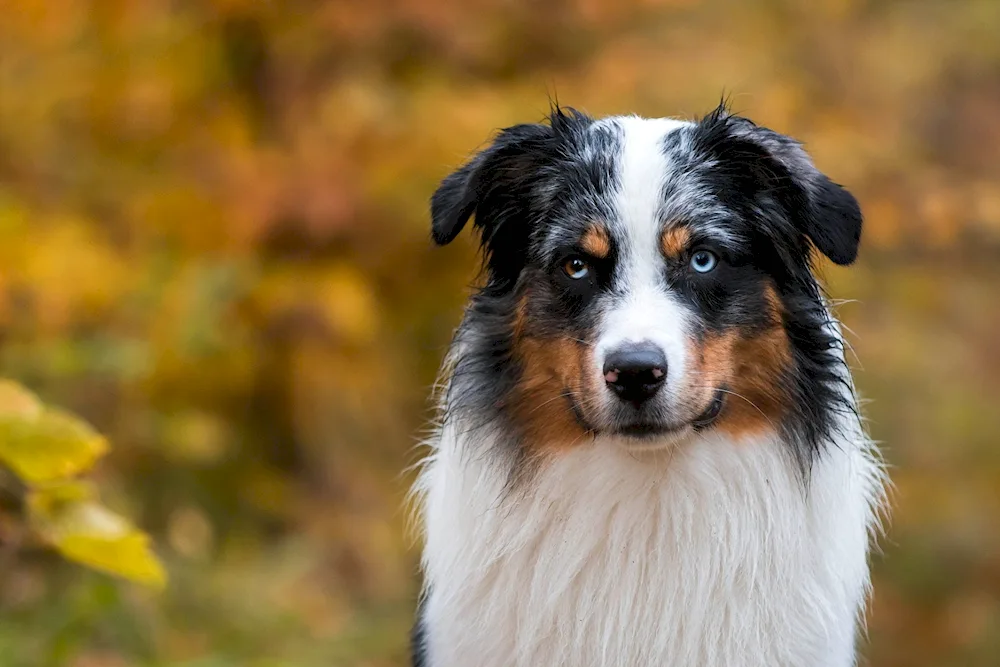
(751, 403)
(580, 437)
(566, 394)
(579, 340)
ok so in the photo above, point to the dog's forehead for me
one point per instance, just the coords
(647, 162)
(651, 178)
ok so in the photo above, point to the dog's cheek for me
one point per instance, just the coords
(760, 362)
(712, 368)
(549, 402)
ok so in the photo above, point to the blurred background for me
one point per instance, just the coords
(214, 247)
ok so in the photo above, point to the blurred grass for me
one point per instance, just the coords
(213, 246)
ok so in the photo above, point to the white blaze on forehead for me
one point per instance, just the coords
(643, 172)
(647, 310)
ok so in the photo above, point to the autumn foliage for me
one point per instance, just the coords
(214, 249)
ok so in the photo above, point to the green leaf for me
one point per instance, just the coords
(45, 444)
(69, 517)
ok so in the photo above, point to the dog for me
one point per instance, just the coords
(649, 450)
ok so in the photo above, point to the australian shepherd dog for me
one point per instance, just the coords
(649, 451)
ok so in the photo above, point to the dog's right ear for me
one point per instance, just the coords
(493, 184)
(454, 202)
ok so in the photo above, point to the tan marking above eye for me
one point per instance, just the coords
(675, 240)
(596, 241)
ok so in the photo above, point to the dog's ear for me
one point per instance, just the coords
(820, 209)
(454, 202)
(498, 177)
(504, 186)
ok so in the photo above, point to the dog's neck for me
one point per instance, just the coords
(703, 554)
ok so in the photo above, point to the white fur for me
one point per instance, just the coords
(648, 312)
(717, 553)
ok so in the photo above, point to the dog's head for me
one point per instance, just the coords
(647, 279)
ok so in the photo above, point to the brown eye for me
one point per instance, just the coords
(576, 268)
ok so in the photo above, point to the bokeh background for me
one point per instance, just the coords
(214, 246)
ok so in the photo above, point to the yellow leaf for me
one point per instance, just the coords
(128, 556)
(86, 532)
(48, 446)
(16, 401)
(50, 498)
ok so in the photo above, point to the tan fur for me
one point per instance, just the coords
(754, 369)
(552, 367)
(596, 241)
(675, 240)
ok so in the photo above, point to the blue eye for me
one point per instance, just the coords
(704, 261)
(576, 268)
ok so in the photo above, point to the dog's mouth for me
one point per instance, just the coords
(647, 430)
(712, 412)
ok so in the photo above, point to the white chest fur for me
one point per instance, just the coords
(717, 555)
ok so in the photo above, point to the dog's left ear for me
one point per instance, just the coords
(822, 210)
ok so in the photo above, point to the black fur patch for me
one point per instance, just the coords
(418, 648)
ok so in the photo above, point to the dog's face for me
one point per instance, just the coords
(646, 279)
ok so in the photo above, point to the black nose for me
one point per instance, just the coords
(635, 372)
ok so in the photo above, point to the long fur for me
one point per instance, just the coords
(715, 550)
(717, 555)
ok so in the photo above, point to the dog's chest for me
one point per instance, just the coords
(718, 557)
